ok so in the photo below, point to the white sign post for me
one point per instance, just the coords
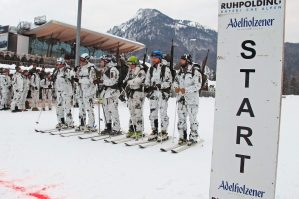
(248, 99)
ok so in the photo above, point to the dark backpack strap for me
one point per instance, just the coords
(163, 69)
(151, 71)
(107, 72)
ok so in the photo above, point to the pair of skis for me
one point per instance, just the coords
(179, 148)
(62, 132)
(144, 143)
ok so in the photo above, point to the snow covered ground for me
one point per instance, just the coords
(44, 166)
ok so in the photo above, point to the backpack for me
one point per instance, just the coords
(162, 74)
(196, 67)
(123, 71)
(144, 67)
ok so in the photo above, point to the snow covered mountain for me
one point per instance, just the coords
(156, 30)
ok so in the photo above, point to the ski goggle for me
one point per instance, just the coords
(156, 56)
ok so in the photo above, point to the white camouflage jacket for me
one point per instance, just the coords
(35, 81)
(17, 82)
(63, 80)
(135, 78)
(190, 79)
(87, 75)
(110, 78)
(5, 83)
(45, 83)
(26, 82)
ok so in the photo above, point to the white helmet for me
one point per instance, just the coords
(85, 56)
(60, 60)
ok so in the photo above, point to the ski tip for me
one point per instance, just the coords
(174, 151)
(162, 150)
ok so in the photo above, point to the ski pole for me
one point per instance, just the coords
(39, 115)
(99, 110)
(175, 112)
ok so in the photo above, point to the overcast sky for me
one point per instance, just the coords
(102, 15)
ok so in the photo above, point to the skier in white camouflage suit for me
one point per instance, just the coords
(63, 87)
(135, 94)
(18, 87)
(110, 95)
(46, 85)
(158, 83)
(86, 76)
(26, 82)
(5, 84)
(187, 85)
(35, 86)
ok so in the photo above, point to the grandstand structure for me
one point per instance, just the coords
(42, 42)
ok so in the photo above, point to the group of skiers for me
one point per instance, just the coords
(111, 83)
(14, 90)
(132, 83)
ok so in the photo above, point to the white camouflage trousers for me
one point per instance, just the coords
(46, 98)
(135, 105)
(184, 111)
(86, 104)
(23, 99)
(17, 99)
(4, 98)
(159, 101)
(64, 108)
(35, 97)
(110, 107)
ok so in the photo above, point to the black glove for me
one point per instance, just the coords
(122, 98)
(158, 86)
(50, 86)
(17, 90)
(35, 88)
(75, 79)
(127, 90)
(148, 89)
(97, 81)
(76, 69)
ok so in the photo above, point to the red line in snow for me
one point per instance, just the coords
(17, 188)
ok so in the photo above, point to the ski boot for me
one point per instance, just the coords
(182, 141)
(163, 136)
(130, 134)
(191, 142)
(35, 109)
(193, 137)
(61, 126)
(107, 130)
(70, 126)
(79, 128)
(89, 129)
(50, 109)
(153, 136)
(16, 110)
(115, 133)
(136, 135)
(44, 109)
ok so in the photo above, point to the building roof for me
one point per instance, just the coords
(67, 33)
